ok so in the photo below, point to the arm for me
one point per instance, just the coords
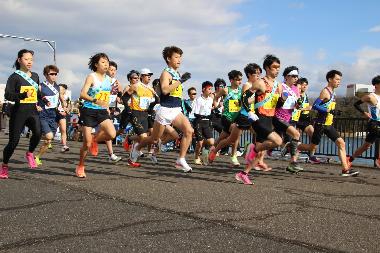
(10, 93)
(323, 96)
(219, 94)
(165, 80)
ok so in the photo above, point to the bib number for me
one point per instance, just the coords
(33, 98)
(296, 115)
(144, 102)
(53, 100)
(305, 105)
(113, 99)
(329, 118)
(289, 103)
(177, 92)
(103, 96)
(271, 104)
(233, 105)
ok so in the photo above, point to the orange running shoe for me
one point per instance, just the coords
(79, 171)
(126, 144)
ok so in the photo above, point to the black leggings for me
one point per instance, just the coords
(17, 121)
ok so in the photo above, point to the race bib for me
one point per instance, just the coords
(233, 105)
(296, 115)
(305, 105)
(145, 102)
(103, 96)
(290, 103)
(329, 118)
(271, 104)
(177, 92)
(32, 99)
(53, 101)
(113, 99)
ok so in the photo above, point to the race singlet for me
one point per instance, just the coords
(271, 103)
(33, 98)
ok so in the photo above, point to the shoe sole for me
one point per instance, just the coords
(179, 166)
(355, 174)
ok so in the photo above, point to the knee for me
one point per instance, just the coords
(296, 135)
(112, 134)
(189, 132)
(278, 141)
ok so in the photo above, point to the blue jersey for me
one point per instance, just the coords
(100, 91)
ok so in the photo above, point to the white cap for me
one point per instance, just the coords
(146, 71)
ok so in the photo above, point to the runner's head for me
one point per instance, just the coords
(235, 77)
(24, 59)
(303, 84)
(291, 75)
(99, 63)
(156, 83)
(271, 65)
(146, 75)
(376, 83)
(63, 85)
(219, 83)
(252, 72)
(333, 78)
(133, 76)
(112, 69)
(207, 88)
(192, 92)
(50, 73)
(172, 56)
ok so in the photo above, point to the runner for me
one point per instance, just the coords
(202, 126)
(22, 88)
(49, 101)
(187, 107)
(63, 112)
(267, 94)
(170, 111)
(95, 92)
(373, 114)
(231, 105)
(115, 90)
(325, 106)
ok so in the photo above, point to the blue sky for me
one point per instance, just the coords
(216, 36)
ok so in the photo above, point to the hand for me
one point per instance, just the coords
(48, 104)
(252, 116)
(367, 115)
(29, 93)
(186, 76)
(39, 108)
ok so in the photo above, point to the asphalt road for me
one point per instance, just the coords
(156, 208)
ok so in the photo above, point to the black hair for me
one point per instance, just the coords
(156, 82)
(169, 51)
(332, 73)
(113, 64)
(19, 55)
(289, 69)
(129, 75)
(303, 80)
(219, 82)
(251, 68)
(190, 89)
(63, 85)
(206, 84)
(233, 74)
(95, 59)
(268, 61)
(47, 68)
(376, 80)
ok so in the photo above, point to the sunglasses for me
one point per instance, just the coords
(193, 94)
(136, 77)
(294, 76)
(53, 74)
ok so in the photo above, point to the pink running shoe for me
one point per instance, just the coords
(211, 155)
(243, 177)
(30, 158)
(251, 153)
(4, 172)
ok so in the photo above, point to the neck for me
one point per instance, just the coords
(23, 69)
(377, 92)
(175, 68)
(330, 86)
(289, 84)
(270, 78)
(205, 95)
(100, 73)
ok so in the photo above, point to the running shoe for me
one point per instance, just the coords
(205, 154)
(94, 147)
(239, 153)
(50, 146)
(377, 162)
(79, 171)
(198, 161)
(243, 177)
(349, 162)
(211, 155)
(251, 153)
(153, 158)
(182, 164)
(38, 160)
(113, 158)
(297, 166)
(235, 161)
(349, 173)
(134, 153)
(292, 168)
(4, 172)
(313, 159)
(65, 149)
(133, 164)
(285, 149)
(30, 158)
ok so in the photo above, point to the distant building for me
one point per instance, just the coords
(358, 89)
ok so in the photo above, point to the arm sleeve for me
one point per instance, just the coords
(317, 106)
(244, 99)
(357, 106)
(10, 90)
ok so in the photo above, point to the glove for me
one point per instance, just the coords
(299, 101)
(333, 112)
(186, 76)
(252, 116)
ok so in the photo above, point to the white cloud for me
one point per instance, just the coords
(375, 29)
(321, 54)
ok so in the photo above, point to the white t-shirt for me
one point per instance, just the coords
(202, 106)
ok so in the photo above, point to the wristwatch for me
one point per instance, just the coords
(94, 100)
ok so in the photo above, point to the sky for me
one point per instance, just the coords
(216, 36)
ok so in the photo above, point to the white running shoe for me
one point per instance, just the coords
(153, 157)
(113, 158)
(134, 153)
(65, 149)
(205, 154)
(182, 164)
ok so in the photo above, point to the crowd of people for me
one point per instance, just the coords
(274, 111)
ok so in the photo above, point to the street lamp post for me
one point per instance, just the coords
(51, 43)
